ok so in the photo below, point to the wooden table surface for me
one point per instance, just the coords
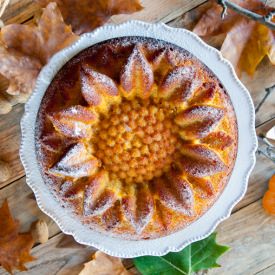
(250, 232)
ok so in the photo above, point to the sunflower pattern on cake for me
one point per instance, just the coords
(136, 137)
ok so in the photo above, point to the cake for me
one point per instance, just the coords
(136, 138)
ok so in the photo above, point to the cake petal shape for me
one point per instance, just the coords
(112, 216)
(138, 206)
(74, 122)
(137, 77)
(75, 188)
(97, 199)
(204, 95)
(202, 186)
(98, 89)
(162, 63)
(71, 190)
(199, 161)
(218, 140)
(198, 121)
(164, 215)
(53, 146)
(77, 162)
(180, 83)
(55, 143)
(100, 205)
(175, 193)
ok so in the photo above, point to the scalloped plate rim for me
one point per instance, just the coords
(117, 246)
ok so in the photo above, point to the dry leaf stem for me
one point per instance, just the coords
(3, 6)
(268, 91)
(263, 19)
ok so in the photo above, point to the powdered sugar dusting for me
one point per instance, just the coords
(138, 209)
(94, 85)
(136, 57)
(175, 193)
(99, 205)
(137, 70)
(199, 121)
(185, 78)
(76, 163)
(74, 122)
(199, 161)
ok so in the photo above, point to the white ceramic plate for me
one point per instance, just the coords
(235, 188)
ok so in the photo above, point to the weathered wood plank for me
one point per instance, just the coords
(258, 181)
(10, 142)
(18, 11)
(162, 10)
(252, 247)
(263, 170)
(268, 271)
(24, 207)
(60, 255)
(264, 78)
(250, 234)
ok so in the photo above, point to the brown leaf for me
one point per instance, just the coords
(14, 247)
(42, 41)
(20, 70)
(246, 42)
(103, 264)
(24, 49)
(211, 23)
(86, 15)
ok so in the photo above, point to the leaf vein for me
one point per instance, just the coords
(174, 266)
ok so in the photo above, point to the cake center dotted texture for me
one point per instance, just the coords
(136, 140)
(136, 137)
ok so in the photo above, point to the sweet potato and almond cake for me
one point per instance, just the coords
(136, 137)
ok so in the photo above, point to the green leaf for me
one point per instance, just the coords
(195, 257)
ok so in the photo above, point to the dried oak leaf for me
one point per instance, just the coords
(14, 246)
(246, 42)
(24, 49)
(103, 264)
(87, 15)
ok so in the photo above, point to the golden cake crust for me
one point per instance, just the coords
(136, 137)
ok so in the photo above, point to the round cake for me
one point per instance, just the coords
(136, 137)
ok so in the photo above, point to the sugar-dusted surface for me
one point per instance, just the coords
(136, 111)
